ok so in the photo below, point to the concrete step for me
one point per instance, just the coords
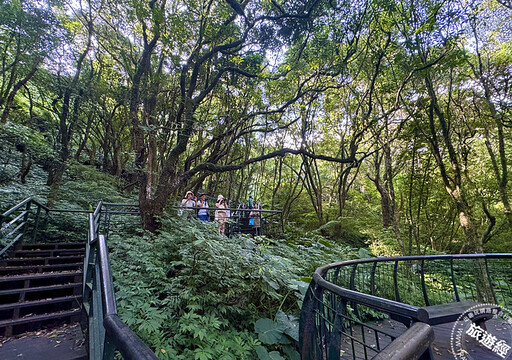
(63, 343)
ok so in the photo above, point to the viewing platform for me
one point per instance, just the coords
(415, 307)
(239, 220)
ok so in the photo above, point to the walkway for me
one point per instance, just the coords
(65, 342)
(441, 347)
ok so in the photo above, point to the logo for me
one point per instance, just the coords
(483, 331)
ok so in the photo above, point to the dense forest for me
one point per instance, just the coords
(378, 127)
(387, 113)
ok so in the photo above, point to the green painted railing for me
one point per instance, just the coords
(106, 332)
(345, 297)
(19, 221)
(26, 220)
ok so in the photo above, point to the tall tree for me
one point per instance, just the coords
(28, 35)
(68, 112)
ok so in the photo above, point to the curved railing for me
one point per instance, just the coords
(344, 300)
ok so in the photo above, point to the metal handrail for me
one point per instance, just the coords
(21, 222)
(107, 331)
(16, 207)
(14, 229)
(410, 345)
(338, 290)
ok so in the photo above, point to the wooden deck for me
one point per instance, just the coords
(441, 347)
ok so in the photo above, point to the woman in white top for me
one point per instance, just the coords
(189, 203)
(221, 215)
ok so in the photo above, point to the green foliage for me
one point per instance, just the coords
(34, 141)
(12, 190)
(280, 333)
(342, 231)
(198, 293)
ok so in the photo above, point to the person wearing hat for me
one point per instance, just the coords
(202, 204)
(221, 215)
(189, 203)
(255, 215)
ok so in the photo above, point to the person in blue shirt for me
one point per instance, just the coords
(202, 204)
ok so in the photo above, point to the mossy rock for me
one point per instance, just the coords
(343, 233)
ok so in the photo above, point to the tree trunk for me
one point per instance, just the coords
(16, 88)
(390, 215)
(58, 165)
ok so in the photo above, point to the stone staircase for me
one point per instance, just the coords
(40, 287)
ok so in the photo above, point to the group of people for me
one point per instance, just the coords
(222, 212)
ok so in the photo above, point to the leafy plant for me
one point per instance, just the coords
(281, 333)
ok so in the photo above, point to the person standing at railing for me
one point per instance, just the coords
(221, 215)
(250, 204)
(255, 219)
(189, 203)
(202, 204)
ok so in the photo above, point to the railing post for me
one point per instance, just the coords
(36, 222)
(395, 281)
(352, 286)
(25, 220)
(372, 278)
(334, 344)
(109, 348)
(423, 285)
(308, 331)
(493, 294)
(96, 329)
(452, 274)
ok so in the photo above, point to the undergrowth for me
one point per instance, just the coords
(188, 292)
(191, 293)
